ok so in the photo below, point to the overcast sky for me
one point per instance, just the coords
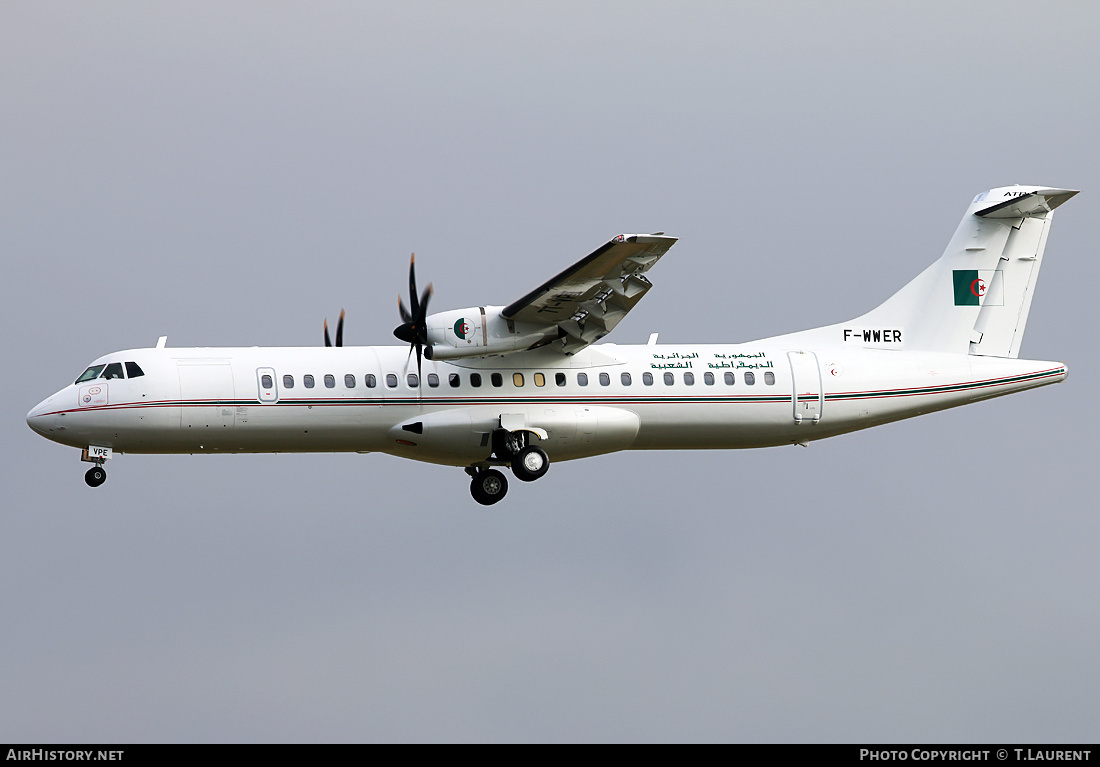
(233, 173)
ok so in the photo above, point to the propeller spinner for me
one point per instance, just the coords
(413, 328)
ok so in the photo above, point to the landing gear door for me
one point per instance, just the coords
(806, 390)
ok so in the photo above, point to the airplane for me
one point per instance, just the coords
(522, 385)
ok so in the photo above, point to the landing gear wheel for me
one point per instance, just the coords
(530, 463)
(96, 476)
(488, 487)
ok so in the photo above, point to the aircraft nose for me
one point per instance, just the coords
(37, 418)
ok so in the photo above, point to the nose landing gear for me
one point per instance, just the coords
(95, 476)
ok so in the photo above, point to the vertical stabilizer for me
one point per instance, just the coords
(975, 299)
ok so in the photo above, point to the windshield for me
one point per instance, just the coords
(90, 373)
(114, 370)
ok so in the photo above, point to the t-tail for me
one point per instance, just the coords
(975, 299)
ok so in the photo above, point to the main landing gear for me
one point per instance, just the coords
(488, 486)
(528, 462)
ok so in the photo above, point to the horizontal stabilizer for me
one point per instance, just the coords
(1021, 204)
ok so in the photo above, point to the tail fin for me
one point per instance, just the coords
(975, 298)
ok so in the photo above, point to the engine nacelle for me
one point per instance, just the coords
(480, 331)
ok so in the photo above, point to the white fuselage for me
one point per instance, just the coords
(217, 400)
(523, 385)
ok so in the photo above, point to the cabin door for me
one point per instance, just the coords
(806, 391)
(206, 394)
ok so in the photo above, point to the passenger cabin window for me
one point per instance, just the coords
(114, 370)
(133, 371)
(265, 381)
(412, 380)
(349, 381)
(454, 380)
(540, 379)
(625, 378)
(647, 379)
(669, 379)
(729, 378)
(708, 378)
(582, 379)
(750, 378)
(433, 380)
(288, 381)
(605, 379)
(330, 381)
(689, 379)
(90, 374)
(391, 380)
(371, 380)
(517, 379)
(475, 379)
(497, 379)
(559, 379)
(307, 381)
(769, 378)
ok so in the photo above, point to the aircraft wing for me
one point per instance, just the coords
(588, 299)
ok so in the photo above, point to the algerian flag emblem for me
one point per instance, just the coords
(462, 327)
(977, 287)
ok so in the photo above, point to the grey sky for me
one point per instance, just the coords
(231, 174)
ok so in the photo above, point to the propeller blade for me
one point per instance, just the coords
(405, 333)
(413, 329)
(340, 329)
(412, 286)
(327, 341)
(428, 293)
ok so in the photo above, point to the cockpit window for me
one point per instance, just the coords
(90, 373)
(133, 371)
(114, 370)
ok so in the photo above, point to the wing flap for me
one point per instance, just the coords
(587, 300)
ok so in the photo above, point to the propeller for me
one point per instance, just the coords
(339, 331)
(413, 328)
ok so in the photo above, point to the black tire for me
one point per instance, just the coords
(96, 476)
(530, 463)
(489, 487)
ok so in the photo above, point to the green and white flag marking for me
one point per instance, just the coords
(975, 287)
